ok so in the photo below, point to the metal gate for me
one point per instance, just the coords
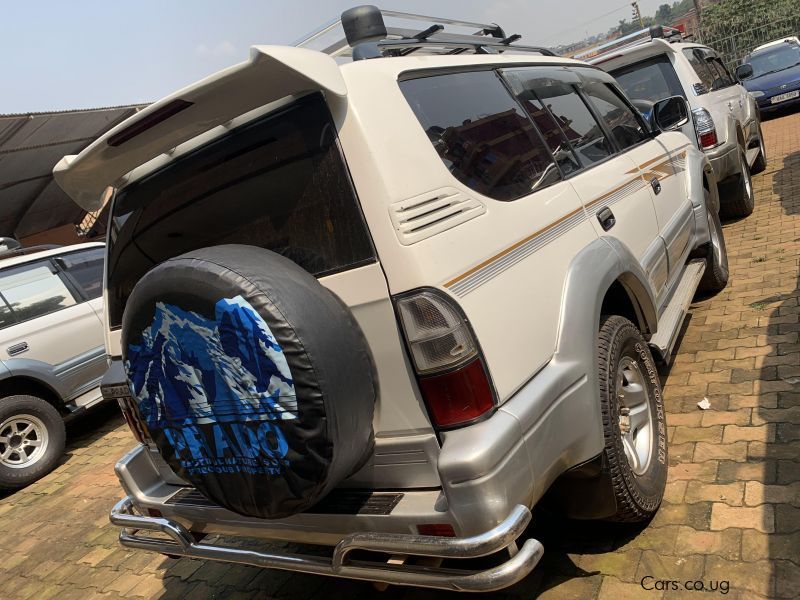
(764, 23)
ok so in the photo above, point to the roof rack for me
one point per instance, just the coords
(367, 36)
(669, 34)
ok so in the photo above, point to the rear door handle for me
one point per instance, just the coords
(17, 349)
(606, 218)
(656, 185)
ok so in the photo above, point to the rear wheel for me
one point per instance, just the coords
(761, 160)
(634, 423)
(737, 196)
(32, 439)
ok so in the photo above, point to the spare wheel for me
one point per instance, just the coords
(254, 381)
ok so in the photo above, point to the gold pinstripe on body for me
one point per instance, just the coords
(658, 170)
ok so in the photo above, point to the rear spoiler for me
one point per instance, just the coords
(271, 73)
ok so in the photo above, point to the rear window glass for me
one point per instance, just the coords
(650, 80)
(481, 134)
(576, 121)
(724, 77)
(278, 183)
(618, 117)
(703, 71)
(86, 270)
(524, 83)
(32, 291)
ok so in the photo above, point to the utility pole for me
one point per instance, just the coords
(697, 6)
(637, 14)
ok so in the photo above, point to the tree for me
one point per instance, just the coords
(664, 15)
(734, 27)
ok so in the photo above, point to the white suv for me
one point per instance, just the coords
(655, 63)
(388, 306)
(52, 354)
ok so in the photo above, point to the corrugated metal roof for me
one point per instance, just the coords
(30, 146)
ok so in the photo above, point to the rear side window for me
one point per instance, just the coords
(524, 83)
(278, 183)
(33, 290)
(481, 134)
(724, 78)
(650, 80)
(620, 120)
(86, 271)
(707, 77)
(576, 121)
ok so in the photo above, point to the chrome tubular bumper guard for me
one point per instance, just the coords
(503, 536)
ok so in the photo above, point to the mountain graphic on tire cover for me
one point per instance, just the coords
(217, 389)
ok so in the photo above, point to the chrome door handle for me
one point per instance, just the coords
(656, 185)
(17, 349)
(606, 218)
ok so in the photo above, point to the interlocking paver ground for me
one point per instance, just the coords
(731, 511)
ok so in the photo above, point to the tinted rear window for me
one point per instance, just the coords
(481, 134)
(31, 291)
(278, 183)
(86, 270)
(651, 80)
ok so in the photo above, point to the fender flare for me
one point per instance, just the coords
(36, 371)
(591, 273)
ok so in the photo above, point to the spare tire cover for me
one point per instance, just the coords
(254, 381)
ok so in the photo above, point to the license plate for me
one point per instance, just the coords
(785, 97)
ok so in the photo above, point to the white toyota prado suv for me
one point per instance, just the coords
(386, 306)
(655, 63)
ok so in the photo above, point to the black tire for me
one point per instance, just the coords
(15, 411)
(715, 277)
(737, 198)
(760, 163)
(621, 350)
(254, 380)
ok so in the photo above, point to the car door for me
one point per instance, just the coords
(659, 161)
(727, 88)
(616, 200)
(56, 334)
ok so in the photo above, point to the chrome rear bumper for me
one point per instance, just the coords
(180, 542)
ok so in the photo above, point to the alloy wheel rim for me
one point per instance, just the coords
(23, 441)
(718, 244)
(748, 184)
(635, 417)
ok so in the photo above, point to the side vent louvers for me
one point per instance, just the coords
(423, 216)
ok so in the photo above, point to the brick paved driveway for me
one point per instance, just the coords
(731, 512)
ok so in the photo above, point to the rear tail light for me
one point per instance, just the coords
(136, 427)
(436, 529)
(450, 370)
(705, 128)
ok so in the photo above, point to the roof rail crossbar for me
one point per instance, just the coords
(481, 47)
(630, 40)
(403, 41)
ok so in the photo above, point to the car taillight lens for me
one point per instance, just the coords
(705, 128)
(137, 429)
(459, 396)
(450, 371)
(436, 529)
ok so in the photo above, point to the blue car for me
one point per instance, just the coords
(772, 76)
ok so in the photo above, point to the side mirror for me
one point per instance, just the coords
(670, 114)
(744, 71)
